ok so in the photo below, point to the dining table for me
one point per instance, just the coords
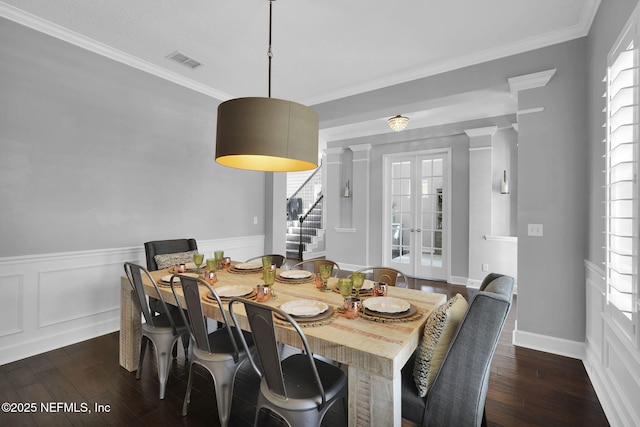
(373, 349)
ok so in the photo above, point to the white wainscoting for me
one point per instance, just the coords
(53, 300)
(611, 361)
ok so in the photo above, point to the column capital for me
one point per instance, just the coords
(529, 81)
(486, 131)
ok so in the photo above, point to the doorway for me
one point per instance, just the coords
(416, 235)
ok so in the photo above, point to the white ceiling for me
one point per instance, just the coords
(323, 49)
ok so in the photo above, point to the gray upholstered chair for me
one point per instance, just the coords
(388, 275)
(458, 394)
(277, 259)
(313, 265)
(299, 388)
(218, 352)
(163, 330)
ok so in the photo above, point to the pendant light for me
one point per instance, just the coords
(267, 134)
(398, 123)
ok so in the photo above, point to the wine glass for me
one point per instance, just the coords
(198, 259)
(358, 280)
(345, 286)
(269, 277)
(325, 273)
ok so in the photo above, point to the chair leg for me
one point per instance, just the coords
(163, 360)
(187, 395)
(143, 347)
(223, 380)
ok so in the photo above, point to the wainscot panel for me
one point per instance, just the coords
(53, 300)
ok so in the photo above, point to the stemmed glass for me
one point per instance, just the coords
(325, 273)
(358, 280)
(269, 277)
(345, 286)
(198, 259)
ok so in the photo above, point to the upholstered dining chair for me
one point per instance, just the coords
(164, 247)
(163, 330)
(314, 266)
(458, 393)
(277, 259)
(299, 388)
(388, 275)
(218, 351)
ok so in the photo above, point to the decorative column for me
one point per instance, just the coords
(480, 187)
(332, 192)
(360, 199)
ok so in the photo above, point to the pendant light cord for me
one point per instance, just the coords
(269, 53)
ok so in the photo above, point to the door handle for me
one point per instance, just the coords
(412, 230)
(419, 231)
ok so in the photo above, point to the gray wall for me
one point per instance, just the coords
(96, 154)
(552, 176)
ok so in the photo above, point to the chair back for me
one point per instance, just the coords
(197, 323)
(388, 275)
(161, 247)
(314, 264)
(260, 318)
(277, 259)
(458, 394)
(135, 273)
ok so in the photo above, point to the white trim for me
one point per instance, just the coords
(480, 148)
(549, 344)
(344, 230)
(513, 239)
(84, 42)
(46, 319)
(485, 131)
(458, 280)
(529, 81)
(529, 111)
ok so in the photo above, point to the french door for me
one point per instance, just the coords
(416, 199)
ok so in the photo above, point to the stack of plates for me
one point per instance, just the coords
(294, 276)
(304, 310)
(167, 278)
(246, 267)
(231, 291)
(388, 307)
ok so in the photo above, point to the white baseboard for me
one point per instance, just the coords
(54, 300)
(548, 344)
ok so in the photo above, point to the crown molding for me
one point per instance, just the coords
(38, 24)
(581, 29)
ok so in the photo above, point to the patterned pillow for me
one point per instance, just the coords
(168, 260)
(439, 331)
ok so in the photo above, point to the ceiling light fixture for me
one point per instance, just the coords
(398, 122)
(267, 134)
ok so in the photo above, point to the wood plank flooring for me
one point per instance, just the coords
(526, 388)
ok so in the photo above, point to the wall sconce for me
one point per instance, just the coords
(504, 184)
(347, 190)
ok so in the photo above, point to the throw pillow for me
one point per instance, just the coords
(169, 260)
(439, 330)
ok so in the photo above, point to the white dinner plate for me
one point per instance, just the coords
(368, 284)
(386, 305)
(230, 291)
(296, 274)
(167, 278)
(248, 266)
(304, 307)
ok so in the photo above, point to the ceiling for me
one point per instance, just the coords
(323, 50)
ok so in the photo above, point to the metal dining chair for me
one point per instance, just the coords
(218, 351)
(314, 266)
(163, 330)
(277, 259)
(388, 275)
(299, 388)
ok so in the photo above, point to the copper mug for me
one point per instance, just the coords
(263, 293)
(352, 307)
(380, 289)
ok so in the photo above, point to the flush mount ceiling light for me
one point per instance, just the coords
(398, 122)
(267, 134)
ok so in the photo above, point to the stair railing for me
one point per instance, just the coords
(302, 228)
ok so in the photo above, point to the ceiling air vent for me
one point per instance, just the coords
(184, 60)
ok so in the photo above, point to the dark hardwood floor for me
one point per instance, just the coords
(526, 388)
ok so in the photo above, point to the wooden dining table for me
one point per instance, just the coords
(372, 350)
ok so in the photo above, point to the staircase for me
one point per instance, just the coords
(312, 235)
(305, 227)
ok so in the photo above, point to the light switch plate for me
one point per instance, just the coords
(534, 230)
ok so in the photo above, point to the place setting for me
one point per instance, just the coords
(389, 309)
(306, 312)
(246, 268)
(166, 279)
(227, 292)
(294, 277)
